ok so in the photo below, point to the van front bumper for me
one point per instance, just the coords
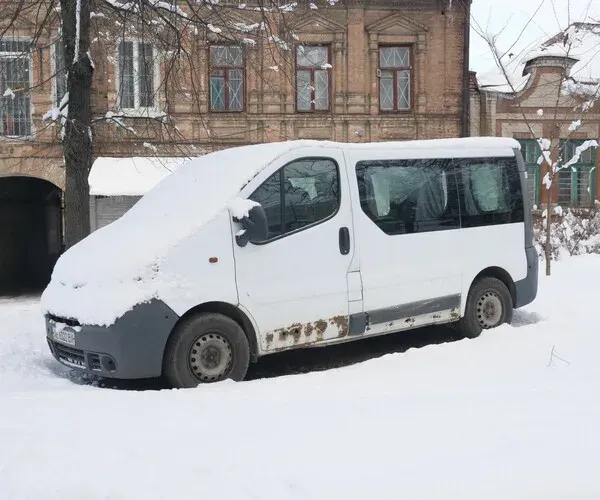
(130, 348)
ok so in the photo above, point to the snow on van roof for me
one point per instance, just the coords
(118, 266)
(133, 176)
(460, 143)
(114, 268)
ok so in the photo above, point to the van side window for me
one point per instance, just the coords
(490, 191)
(302, 193)
(409, 196)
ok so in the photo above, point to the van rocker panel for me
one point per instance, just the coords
(136, 342)
(440, 310)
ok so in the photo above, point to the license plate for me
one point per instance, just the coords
(64, 337)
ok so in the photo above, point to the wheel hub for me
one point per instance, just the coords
(210, 357)
(489, 310)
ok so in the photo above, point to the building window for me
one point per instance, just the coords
(60, 73)
(136, 75)
(313, 74)
(394, 79)
(15, 108)
(226, 78)
(530, 150)
(576, 183)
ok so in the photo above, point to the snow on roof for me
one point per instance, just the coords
(496, 81)
(580, 41)
(130, 176)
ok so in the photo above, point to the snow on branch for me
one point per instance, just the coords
(592, 143)
(575, 125)
(59, 114)
(117, 119)
(167, 6)
(279, 42)
(77, 30)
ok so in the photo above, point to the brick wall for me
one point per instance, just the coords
(353, 34)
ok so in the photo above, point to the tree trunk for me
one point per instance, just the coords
(77, 141)
(548, 250)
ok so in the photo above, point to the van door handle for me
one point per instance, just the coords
(344, 238)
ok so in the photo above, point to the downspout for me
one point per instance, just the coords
(466, 80)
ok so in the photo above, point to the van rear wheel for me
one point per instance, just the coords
(489, 305)
(206, 348)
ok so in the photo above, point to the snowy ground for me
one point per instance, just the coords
(492, 418)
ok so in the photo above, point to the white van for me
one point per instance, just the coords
(258, 249)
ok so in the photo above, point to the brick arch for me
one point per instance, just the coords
(49, 170)
(42, 177)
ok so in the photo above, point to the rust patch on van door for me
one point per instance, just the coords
(320, 327)
(309, 333)
(295, 331)
(341, 323)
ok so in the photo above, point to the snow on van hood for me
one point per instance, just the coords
(118, 266)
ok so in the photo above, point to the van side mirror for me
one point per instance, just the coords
(255, 227)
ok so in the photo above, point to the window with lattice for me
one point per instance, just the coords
(576, 183)
(60, 72)
(313, 76)
(394, 78)
(15, 97)
(136, 75)
(226, 78)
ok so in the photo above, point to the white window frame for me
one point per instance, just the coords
(137, 110)
(55, 98)
(15, 55)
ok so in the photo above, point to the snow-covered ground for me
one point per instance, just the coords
(497, 417)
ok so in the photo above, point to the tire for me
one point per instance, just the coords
(206, 348)
(487, 293)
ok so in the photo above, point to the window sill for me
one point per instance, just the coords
(395, 111)
(227, 111)
(16, 138)
(313, 111)
(138, 113)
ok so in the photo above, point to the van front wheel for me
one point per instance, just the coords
(489, 304)
(206, 348)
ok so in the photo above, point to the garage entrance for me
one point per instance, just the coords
(30, 233)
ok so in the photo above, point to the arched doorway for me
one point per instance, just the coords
(30, 233)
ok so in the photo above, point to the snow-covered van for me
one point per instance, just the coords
(258, 249)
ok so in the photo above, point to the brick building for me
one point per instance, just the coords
(359, 70)
(550, 103)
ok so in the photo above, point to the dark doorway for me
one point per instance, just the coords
(30, 233)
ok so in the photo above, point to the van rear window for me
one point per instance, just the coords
(490, 191)
(422, 195)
